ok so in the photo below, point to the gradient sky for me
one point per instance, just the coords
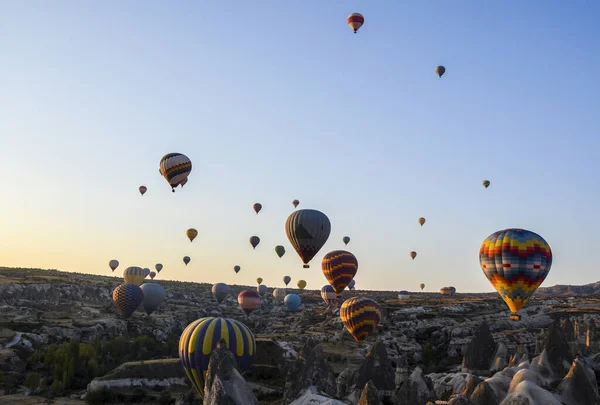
(276, 100)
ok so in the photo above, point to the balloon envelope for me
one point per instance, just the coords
(346, 240)
(422, 221)
(127, 298)
(295, 203)
(152, 275)
(186, 260)
(486, 183)
(261, 289)
(220, 291)
(254, 241)
(113, 264)
(329, 295)
(355, 21)
(339, 268)
(146, 272)
(236, 269)
(301, 284)
(440, 70)
(158, 267)
(191, 234)
(287, 280)
(257, 207)
(307, 231)
(259, 280)
(143, 190)
(292, 302)
(351, 284)
(422, 286)
(413, 254)
(249, 301)
(175, 168)
(279, 294)
(134, 275)
(154, 295)
(280, 250)
(360, 317)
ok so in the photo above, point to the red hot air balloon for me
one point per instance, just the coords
(295, 203)
(355, 21)
(249, 301)
(152, 275)
(339, 268)
(257, 207)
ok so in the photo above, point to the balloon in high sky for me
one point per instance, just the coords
(236, 269)
(360, 317)
(516, 262)
(307, 231)
(355, 21)
(127, 298)
(295, 203)
(287, 280)
(143, 189)
(175, 168)
(249, 301)
(280, 250)
(440, 70)
(204, 335)
(186, 260)
(220, 291)
(113, 264)
(486, 183)
(339, 268)
(154, 295)
(257, 207)
(292, 302)
(259, 280)
(134, 275)
(191, 234)
(152, 274)
(346, 240)
(413, 254)
(254, 241)
(146, 272)
(158, 267)
(422, 286)
(422, 221)
(301, 284)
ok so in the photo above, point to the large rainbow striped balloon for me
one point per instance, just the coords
(516, 262)
(339, 268)
(360, 317)
(201, 337)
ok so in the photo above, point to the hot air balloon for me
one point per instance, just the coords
(360, 317)
(280, 250)
(440, 70)
(113, 264)
(154, 294)
(486, 183)
(403, 295)
(346, 240)
(422, 221)
(254, 241)
(127, 298)
(295, 203)
(134, 275)
(279, 294)
(186, 260)
(351, 284)
(516, 262)
(339, 268)
(220, 291)
(445, 291)
(261, 290)
(202, 336)
(259, 280)
(307, 231)
(158, 267)
(236, 269)
(152, 275)
(422, 286)
(452, 290)
(175, 168)
(329, 295)
(287, 279)
(301, 284)
(146, 272)
(191, 234)
(413, 254)
(143, 190)
(257, 207)
(355, 21)
(249, 301)
(292, 302)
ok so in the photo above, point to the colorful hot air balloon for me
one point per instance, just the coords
(236, 269)
(154, 294)
(292, 302)
(202, 336)
(257, 207)
(158, 267)
(152, 275)
(254, 241)
(301, 284)
(346, 240)
(295, 203)
(355, 21)
(339, 268)
(287, 280)
(280, 250)
(191, 234)
(127, 298)
(261, 290)
(413, 254)
(360, 317)
(516, 262)
(351, 284)
(249, 301)
(422, 221)
(329, 295)
(220, 291)
(113, 264)
(186, 260)
(440, 70)
(259, 280)
(445, 291)
(307, 231)
(143, 190)
(422, 286)
(134, 275)
(486, 183)
(175, 168)
(279, 294)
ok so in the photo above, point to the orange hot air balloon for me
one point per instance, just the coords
(355, 21)
(413, 254)
(422, 221)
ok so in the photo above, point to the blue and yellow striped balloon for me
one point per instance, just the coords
(200, 338)
(360, 317)
(516, 262)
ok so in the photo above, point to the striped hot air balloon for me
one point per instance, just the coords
(355, 21)
(279, 294)
(329, 295)
(175, 168)
(360, 317)
(202, 336)
(127, 298)
(307, 231)
(339, 268)
(249, 301)
(134, 275)
(446, 291)
(516, 262)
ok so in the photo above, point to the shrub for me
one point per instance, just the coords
(100, 397)
(32, 380)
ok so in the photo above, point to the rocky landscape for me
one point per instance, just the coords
(63, 342)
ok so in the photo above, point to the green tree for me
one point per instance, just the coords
(32, 380)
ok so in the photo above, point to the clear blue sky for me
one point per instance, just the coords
(276, 100)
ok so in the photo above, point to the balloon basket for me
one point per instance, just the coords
(306, 266)
(515, 317)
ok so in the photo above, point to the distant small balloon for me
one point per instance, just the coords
(236, 269)
(220, 291)
(351, 284)
(301, 284)
(191, 234)
(346, 240)
(486, 183)
(143, 190)
(355, 21)
(287, 280)
(280, 250)
(259, 280)
(295, 203)
(422, 221)
(261, 290)
(257, 207)
(186, 260)
(152, 275)
(175, 168)
(440, 70)
(254, 241)
(146, 272)
(413, 254)
(279, 294)
(158, 267)
(113, 264)
(422, 286)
